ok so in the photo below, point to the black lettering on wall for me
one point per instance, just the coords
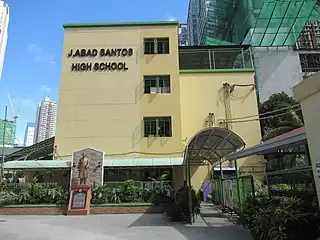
(100, 67)
(102, 52)
(124, 52)
(77, 53)
(81, 67)
(74, 67)
(130, 52)
(109, 52)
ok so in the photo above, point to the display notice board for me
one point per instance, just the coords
(79, 201)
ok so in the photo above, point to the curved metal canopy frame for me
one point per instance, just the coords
(212, 144)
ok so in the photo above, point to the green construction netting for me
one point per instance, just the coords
(280, 23)
(315, 15)
(257, 22)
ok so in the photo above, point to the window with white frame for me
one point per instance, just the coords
(157, 127)
(156, 46)
(157, 84)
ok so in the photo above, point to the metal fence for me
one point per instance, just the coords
(151, 185)
(17, 187)
(232, 192)
(218, 58)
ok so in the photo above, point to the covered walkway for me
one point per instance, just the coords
(209, 145)
(288, 163)
(293, 138)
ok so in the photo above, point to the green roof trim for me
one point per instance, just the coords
(142, 162)
(231, 70)
(38, 164)
(121, 24)
(114, 162)
(217, 42)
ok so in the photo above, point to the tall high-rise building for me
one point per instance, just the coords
(29, 134)
(45, 120)
(183, 35)
(4, 23)
(192, 22)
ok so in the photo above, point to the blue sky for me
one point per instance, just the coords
(33, 56)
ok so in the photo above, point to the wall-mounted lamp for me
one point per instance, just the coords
(73, 165)
(99, 165)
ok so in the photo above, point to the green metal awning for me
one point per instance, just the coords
(35, 151)
(292, 138)
(64, 164)
(38, 164)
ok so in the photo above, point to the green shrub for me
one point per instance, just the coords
(38, 193)
(278, 218)
(24, 197)
(180, 211)
(100, 195)
(129, 191)
(34, 193)
(8, 198)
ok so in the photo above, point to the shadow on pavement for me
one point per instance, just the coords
(217, 227)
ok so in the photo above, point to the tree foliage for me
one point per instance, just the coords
(276, 123)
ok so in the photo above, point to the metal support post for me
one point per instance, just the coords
(3, 141)
(190, 194)
(243, 61)
(237, 181)
(221, 184)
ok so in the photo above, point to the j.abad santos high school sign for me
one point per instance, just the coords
(100, 66)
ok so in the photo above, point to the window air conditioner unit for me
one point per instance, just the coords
(153, 90)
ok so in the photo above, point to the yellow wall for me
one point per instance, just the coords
(163, 104)
(308, 94)
(104, 110)
(201, 94)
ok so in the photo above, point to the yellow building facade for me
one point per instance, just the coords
(128, 90)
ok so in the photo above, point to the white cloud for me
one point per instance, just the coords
(171, 18)
(45, 88)
(39, 55)
(21, 101)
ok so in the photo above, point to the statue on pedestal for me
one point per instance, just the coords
(83, 167)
